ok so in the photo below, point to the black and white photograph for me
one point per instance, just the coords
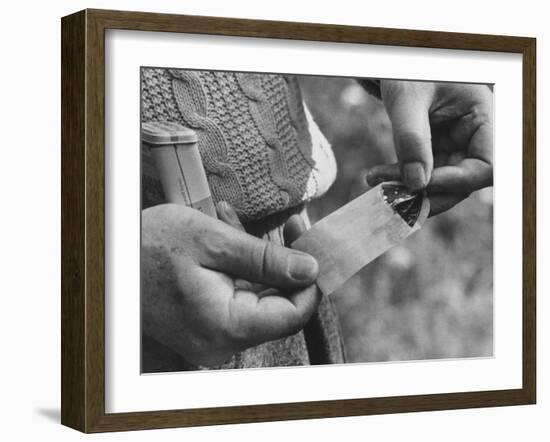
(299, 220)
(271, 221)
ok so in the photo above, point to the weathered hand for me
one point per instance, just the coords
(191, 301)
(443, 136)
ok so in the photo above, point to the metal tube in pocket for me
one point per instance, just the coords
(178, 161)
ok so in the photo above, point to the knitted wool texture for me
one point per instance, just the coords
(255, 136)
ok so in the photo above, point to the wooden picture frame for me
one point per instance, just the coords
(83, 220)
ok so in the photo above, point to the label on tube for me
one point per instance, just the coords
(178, 161)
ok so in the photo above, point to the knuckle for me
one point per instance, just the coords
(212, 241)
(213, 244)
(266, 255)
(411, 144)
(479, 116)
(260, 256)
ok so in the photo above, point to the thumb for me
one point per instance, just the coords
(242, 255)
(407, 105)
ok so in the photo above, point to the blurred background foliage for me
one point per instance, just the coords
(432, 296)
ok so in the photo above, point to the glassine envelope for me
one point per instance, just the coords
(348, 239)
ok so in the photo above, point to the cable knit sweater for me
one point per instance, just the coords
(263, 153)
(260, 147)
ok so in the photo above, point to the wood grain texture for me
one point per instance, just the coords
(529, 221)
(73, 256)
(83, 218)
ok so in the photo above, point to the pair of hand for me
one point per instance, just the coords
(208, 285)
(211, 290)
(443, 137)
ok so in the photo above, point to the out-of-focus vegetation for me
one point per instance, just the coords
(431, 297)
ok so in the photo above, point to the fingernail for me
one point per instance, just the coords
(302, 267)
(229, 211)
(373, 179)
(221, 208)
(370, 177)
(414, 175)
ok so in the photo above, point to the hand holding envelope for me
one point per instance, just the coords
(351, 237)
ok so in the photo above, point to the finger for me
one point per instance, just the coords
(241, 255)
(293, 228)
(480, 147)
(270, 317)
(467, 176)
(228, 215)
(461, 175)
(442, 202)
(473, 133)
(383, 172)
(445, 155)
(408, 110)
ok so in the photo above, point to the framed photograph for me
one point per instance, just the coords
(269, 220)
